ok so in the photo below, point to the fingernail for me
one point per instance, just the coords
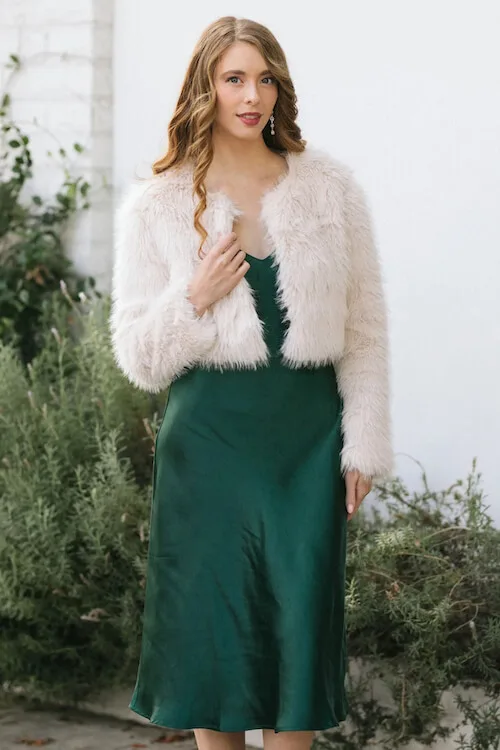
(350, 508)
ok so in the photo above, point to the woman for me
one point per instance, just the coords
(246, 281)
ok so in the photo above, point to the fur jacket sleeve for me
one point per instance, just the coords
(362, 369)
(156, 333)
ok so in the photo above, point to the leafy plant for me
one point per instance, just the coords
(32, 253)
(423, 604)
(75, 453)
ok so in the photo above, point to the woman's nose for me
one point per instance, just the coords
(251, 95)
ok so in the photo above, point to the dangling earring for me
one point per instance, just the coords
(271, 119)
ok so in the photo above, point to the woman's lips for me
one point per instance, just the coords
(247, 120)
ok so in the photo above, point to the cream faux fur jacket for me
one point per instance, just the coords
(329, 285)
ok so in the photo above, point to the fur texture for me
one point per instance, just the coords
(329, 286)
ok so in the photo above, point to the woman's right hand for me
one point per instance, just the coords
(223, 266)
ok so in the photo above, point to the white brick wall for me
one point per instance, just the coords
(65, 84)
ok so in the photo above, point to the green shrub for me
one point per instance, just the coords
(32, 255)
(75, 447)
(423, 606)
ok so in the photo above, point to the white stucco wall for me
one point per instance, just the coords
(407, 93)
(63, 95)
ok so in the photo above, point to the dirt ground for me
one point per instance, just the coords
(69, 729)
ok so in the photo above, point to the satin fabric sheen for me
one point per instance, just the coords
(243, 624)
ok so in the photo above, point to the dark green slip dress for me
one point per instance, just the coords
(243, 624)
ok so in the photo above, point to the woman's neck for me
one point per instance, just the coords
(235, 154)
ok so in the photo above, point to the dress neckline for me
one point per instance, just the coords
(261, 260)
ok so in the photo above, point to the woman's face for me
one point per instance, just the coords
(243, 84)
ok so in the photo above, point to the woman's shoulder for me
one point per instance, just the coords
(334, 178)
(324, 181)
(322, 162)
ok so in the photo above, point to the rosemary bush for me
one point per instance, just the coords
(75, 452)
(423, 603)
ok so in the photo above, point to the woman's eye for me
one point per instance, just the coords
(232, 78)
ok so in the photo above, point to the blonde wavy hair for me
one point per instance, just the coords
(190, 129)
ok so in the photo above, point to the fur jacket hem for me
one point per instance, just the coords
(329, 285)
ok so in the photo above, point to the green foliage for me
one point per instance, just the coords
(75, 452)
(423, 604)
(32, 255)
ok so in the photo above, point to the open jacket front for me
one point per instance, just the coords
(329, 286)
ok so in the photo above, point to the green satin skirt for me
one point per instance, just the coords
(243, 624)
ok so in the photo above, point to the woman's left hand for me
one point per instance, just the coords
(357, 488)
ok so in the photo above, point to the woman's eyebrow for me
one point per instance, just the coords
(242, 72)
